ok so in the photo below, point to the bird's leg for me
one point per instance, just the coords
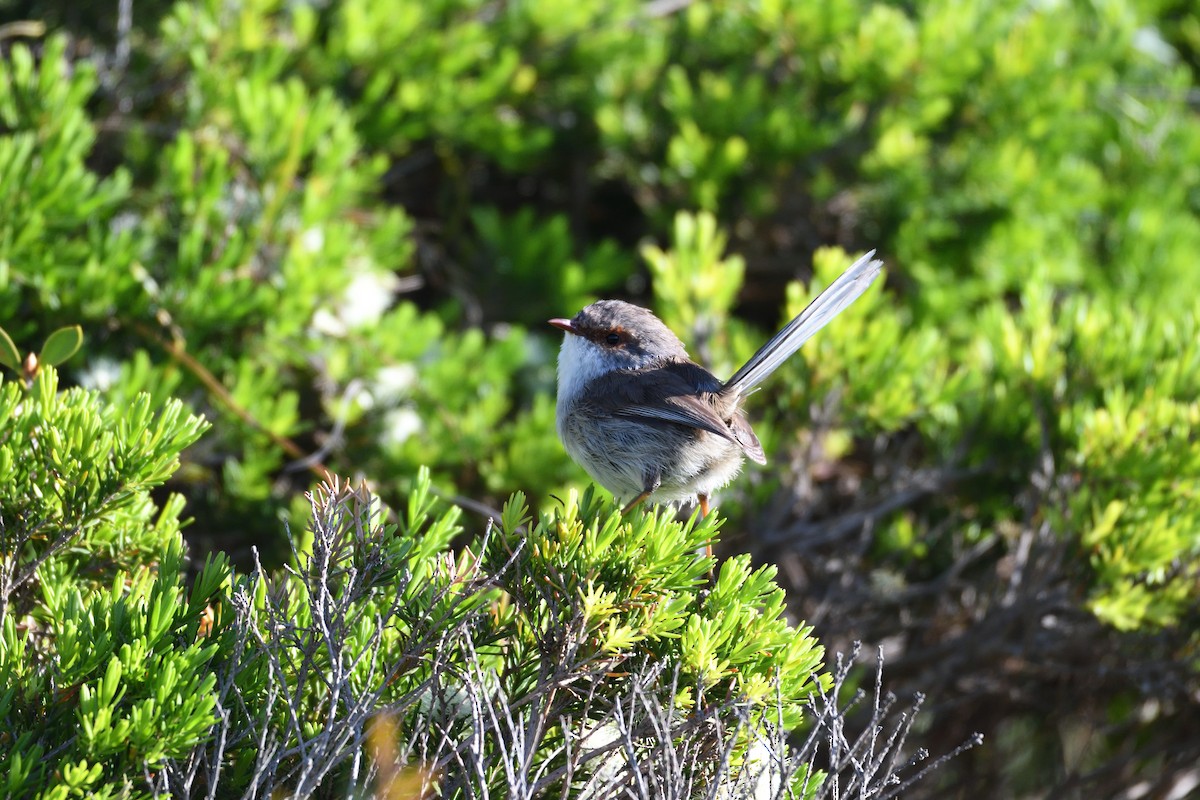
(650, 487)
(634, 503)
(702, 501)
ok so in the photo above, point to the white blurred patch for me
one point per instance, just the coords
(598, 737)
(363, 302)
(100, 374)
(327, 323)
(124, 221)
(367, 297)
(1149, 42)
(761, 776)
(312, 240)
(393, 383)
(399, 424)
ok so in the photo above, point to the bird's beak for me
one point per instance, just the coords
(563, 324)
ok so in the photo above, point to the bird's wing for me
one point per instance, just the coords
(688, 411)
(676, 392)
(744, 435)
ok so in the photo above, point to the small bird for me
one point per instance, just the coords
(647, 422)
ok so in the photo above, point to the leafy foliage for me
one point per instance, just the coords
(120, 681)
(102, 657)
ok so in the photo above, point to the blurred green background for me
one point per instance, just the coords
(336, 229)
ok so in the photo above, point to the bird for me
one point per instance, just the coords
(648, 423)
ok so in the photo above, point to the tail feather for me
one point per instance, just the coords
(831, 302)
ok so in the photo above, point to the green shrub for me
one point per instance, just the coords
(104, 669)
(499, 664)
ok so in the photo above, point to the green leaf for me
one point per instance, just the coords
(61, 345)
(9, 355)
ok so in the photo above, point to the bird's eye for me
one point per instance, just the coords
(613, 338)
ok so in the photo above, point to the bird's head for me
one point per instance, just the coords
(611, 335)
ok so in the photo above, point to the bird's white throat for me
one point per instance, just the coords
(579, 363)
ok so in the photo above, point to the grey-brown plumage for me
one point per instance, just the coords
(647, 422)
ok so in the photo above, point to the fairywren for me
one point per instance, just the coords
(647, 422)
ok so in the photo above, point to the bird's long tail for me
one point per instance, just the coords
(831, 302)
